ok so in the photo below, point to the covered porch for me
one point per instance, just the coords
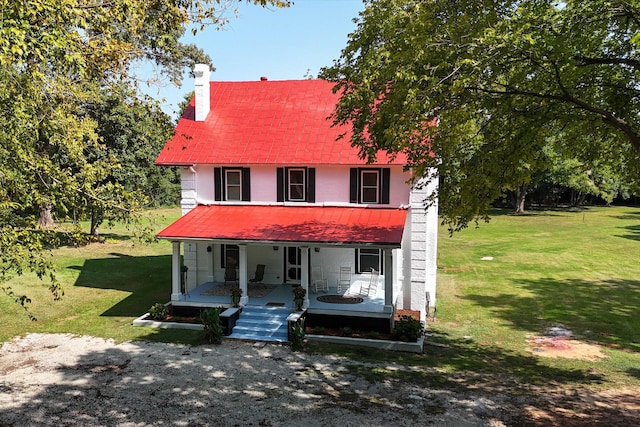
(292, 243)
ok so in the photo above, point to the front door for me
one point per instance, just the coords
(293, 264)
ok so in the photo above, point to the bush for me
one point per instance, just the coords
(346, 331)
(213, 330)
(407, 329)
(158, 311)
(297, 337)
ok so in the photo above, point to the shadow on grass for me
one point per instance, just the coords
(633, 232)
(460, 364)
(146, 278)
(606, 312)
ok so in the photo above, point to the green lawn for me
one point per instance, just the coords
(578, 269)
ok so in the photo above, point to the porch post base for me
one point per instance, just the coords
(244, 300)
(388, 309)
(177, 297)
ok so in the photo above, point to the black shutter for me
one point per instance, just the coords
(280, 184)
(357, 252)
(311, 185)
(217, 178)
(246, 184)
(384, 186)
(223, 250)
(353, 185)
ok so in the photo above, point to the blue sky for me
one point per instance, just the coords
(281, 44)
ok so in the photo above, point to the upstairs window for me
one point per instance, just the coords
(232, 184)
(296, 184)
(369, 185)
(296, 188)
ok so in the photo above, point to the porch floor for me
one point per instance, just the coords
(282, 294)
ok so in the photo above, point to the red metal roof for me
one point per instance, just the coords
(291, 224)
(265, 122)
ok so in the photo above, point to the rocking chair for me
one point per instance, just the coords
(258, 275)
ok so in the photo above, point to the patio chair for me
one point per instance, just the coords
(258, 275)
(344, 282)
(230, 274)
(318, 282)
(367, 287)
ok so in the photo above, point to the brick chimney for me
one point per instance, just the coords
(202, 73)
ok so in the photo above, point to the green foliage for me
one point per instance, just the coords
(500, 79)
(297, 337)
(71, 123)
(158, 311)
(213, 331)
(346, 331)
(407, 329)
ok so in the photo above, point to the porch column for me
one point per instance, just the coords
(176, 272)
(388, 281)
(304, 274)
(243, 274)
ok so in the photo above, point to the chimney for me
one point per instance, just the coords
(202, 73)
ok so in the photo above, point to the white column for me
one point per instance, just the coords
(304, 274)
(243, 274)
(176, 271)
(388, 280)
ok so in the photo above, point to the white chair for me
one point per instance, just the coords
(371, 286)
(344, 282)
(318, 282)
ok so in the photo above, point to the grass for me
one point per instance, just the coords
(578, 269)
(106, 285)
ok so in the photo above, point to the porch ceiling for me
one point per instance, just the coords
(291, 224)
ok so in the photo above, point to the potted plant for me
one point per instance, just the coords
(236, 293)
(298, 297)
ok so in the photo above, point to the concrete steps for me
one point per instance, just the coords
(262, 323)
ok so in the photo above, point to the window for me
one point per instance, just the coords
(232, 184)
(368, 259)
(296, 184)
(369, 185)
(369, 182)
(230, 254)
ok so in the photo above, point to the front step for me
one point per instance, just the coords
(261, 323)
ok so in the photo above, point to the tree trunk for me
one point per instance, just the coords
(520, 193)
(45, 220)
(94, 226)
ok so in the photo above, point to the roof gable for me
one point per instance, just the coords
(265, 122)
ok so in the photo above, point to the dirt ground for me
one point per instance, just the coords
(59, 379)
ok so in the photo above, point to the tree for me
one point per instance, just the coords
(498, 77)
(131, 130)
(56, 56)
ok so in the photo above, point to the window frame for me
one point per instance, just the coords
(369, 253)
(364, 187)
(226, 184)
(303, 173)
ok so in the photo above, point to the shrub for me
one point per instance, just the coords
(297, 337)
(346, 331)
(158, 311)
(319, 330)
(213, 330)
(407, 329)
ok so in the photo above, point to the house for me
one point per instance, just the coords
(267, 181)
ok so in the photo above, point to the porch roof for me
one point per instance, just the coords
(291, 224)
